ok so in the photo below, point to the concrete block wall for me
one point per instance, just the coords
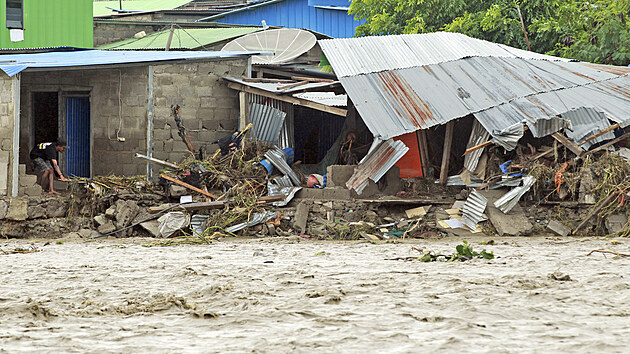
(105, 33)
(7, 112)
(124, 114)
(208, 108)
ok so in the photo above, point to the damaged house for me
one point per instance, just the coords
(480, 92)
(110, 106)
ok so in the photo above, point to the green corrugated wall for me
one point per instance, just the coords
(51, 23)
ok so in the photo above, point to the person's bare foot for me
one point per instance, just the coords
(52, 192)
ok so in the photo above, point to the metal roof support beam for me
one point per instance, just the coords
(446, 153)
(290, 99)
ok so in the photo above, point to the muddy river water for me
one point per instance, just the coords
(290, 295)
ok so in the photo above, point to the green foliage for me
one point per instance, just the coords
(596, 31)
(464, 252)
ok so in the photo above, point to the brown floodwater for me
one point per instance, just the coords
(285, 295)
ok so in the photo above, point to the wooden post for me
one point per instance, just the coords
(244, 109)
(423, 146)
(446, 152)
(170, 38)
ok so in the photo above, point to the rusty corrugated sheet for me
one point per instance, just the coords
(498, 91)
(376, 164)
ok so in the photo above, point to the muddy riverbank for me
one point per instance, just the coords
(288, 294)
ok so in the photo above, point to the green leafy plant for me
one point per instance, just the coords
(464, 252)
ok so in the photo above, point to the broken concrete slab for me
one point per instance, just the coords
(338, 175)
(417, 212)
(126, 211)
(514, 223)
(107, 227)
(36, 212)
(56, 209)
(558, 228)
(615, 223)
(176, 191)
(100, 219)
(18, 209)
(152, 226)
(301, 217)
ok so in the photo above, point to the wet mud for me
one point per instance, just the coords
(280, 295)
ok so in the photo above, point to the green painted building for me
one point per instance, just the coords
(46, 23)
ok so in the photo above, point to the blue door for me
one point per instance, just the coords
(78, 136)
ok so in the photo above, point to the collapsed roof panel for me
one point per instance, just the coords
(432, 81)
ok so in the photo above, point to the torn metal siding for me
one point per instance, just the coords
(286, 139)
(586, 122)
(509, 199)
(478, 135)
(355, 56)
(274, 87)
(376, 164)
(267, 122)
(473, 209)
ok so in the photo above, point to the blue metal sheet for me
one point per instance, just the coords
(294, 14)
(13, 64)
(78, 136)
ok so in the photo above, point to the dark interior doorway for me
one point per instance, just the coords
(45, 117)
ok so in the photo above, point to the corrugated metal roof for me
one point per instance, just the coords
(274, 87)
(293, 14)
(376, 164)
(473, 209)
(364, 55)
(499, 91)
(100, 7)
(190, 38)
(326, 98)
(267, 121)
(586, 122)
(402, 83)
(12, 64)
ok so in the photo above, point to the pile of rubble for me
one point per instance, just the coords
(252, 189)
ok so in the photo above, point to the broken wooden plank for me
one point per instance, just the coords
(188, 207)
(290, 86)
(423, 146)
(601, 132)
(446, 152)
(267, 81)
(612, 142)
(417, 212)
(310, 79)
(290, 99)
(415, 201)
(575, 148)
(243, 117)
(477, 147)
(184, 184)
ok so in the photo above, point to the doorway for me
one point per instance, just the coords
(45, 117)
